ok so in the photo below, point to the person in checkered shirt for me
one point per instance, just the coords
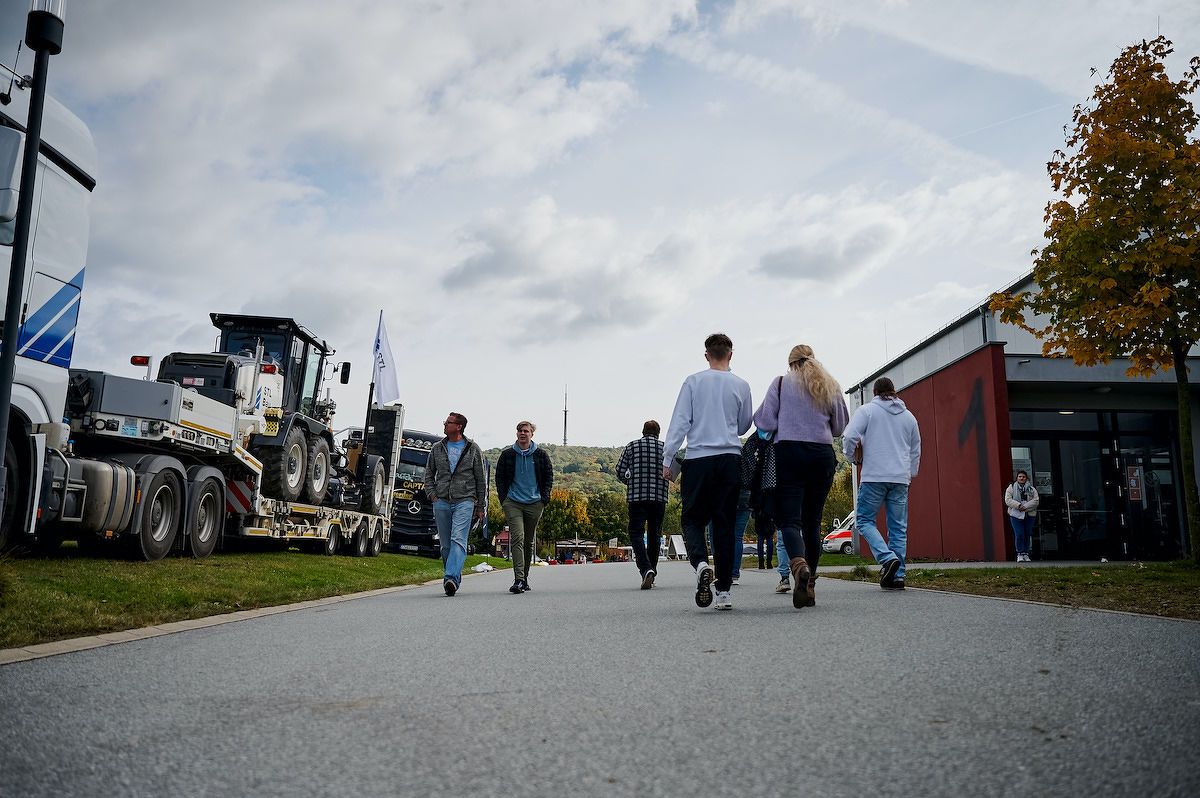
(640, 468)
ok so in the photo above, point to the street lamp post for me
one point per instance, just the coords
(43, 35)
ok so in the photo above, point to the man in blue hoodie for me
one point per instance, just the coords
(890, 455)
(524, 477)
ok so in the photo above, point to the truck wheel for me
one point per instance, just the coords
(331, 542)
(206, 524)
(361, 540)
(847, 548)
(12, 478)
(376, 545)
(316, 476)
(162, 506)
(283, 467)
(373, 487)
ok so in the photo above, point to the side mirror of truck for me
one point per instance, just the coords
(11, 145)
(345, 378)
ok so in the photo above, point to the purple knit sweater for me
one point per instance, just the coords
(799, 419)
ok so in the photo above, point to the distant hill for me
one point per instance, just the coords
(589, 470)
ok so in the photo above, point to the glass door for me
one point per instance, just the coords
(1084, 509)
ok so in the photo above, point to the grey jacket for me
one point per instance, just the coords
(468, 482)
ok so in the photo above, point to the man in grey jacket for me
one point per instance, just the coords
(891, 453)
(456, 483)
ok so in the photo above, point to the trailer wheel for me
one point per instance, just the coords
(284, 467)
(374, 487)
(361, 539)
(12, 479)
(331, 542)
(376, 545)
(162, 506)
(316, 476)
(206, 524)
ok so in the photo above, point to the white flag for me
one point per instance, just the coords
(384, 372)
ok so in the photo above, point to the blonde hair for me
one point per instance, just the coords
(530, 424)
(808, 372)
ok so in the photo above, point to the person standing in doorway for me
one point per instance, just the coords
(1022, 499)
(456, 483)
(524, 477)
(646, 493)
(890, 456)
(805, 410)
(713, 408)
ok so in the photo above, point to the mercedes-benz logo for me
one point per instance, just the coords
(414, 507)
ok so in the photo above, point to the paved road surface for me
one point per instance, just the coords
(588, 686)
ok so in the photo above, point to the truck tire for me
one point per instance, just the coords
(331, 542)
(361, 539)
(374, 485)
(376, 544)
(284, 467)
(162, 509)
(316, 476)
(12, 481)
(205, 525)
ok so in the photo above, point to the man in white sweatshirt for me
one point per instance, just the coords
(712, 410)
(891, 453)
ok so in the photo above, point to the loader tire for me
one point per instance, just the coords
(374, 487)
(316, 475)
(284, 467)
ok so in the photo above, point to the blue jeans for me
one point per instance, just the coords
(1022, 533)
(785, 568)
(453, 523)
(893, 497)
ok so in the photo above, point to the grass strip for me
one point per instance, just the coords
(69, 595)
(1168, 589)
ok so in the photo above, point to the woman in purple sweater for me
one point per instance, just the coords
(805, 411)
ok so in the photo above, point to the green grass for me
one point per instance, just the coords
(69, 595)
(1170, 589)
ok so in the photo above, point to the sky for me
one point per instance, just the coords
(568, 197)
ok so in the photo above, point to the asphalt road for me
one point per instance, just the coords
(589, 686)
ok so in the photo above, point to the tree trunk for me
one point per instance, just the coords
(1191, 495)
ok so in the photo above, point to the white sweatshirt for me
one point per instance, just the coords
(712, 410)
(890, 439)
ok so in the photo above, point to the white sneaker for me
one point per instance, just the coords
(722, 601)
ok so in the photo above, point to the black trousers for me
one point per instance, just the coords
(805, 475)
(709, 487)
(646, 521)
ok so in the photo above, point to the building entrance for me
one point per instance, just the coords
(1107, 482)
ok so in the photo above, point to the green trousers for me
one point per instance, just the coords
(522, 522)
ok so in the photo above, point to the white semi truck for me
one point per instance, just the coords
(235, 442)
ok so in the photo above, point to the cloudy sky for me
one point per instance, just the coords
(550, 194)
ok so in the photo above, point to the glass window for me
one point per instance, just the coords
(312, 374)
(1083, 420)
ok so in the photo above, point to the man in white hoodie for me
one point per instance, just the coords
(891, 453)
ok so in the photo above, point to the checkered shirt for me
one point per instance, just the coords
(640, 468)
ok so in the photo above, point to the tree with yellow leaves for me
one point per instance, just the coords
(1120, 276)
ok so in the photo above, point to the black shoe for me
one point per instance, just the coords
(516, 586)
(449, 586)
(887, 573)
(648, 579)
(525, 588)
(897, 584)
(704, 577)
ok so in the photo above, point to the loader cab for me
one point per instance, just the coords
(296, 352)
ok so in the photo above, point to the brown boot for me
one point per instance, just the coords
(800, 575)
(810, 592)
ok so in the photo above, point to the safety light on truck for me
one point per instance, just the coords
(269, 369)
(139, 360)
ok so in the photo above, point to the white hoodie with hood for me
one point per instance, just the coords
(890, 439)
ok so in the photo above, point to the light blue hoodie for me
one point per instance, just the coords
(890, 439)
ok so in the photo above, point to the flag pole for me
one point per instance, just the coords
(362, 460)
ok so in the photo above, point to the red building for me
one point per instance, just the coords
(1100, 447)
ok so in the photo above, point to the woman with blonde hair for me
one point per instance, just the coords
(804, 410)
